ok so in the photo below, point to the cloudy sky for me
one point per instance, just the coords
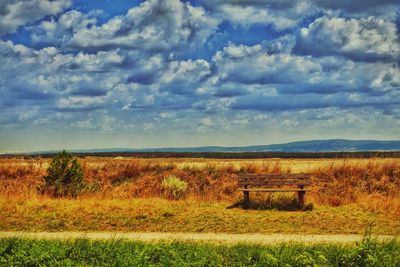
(125, 73)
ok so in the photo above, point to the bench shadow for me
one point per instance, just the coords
(281, 203)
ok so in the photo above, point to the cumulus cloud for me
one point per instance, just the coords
(50, 79)
(16, 13)
(99, 62)
(259, 80)
(281, 14)
(252, 64)
(59, 30)
(358, 39)
(153, 26)
(145, 70)
(360, 7)
(183, 77)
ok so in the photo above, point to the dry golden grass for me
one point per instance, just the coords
(335, 182)
(347, 193)
(160, 215)
(374, 184)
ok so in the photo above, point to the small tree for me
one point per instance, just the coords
(64, 176)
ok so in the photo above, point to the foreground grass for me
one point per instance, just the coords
(159, 215)
(25, 252)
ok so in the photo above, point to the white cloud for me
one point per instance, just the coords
(153, 26)
(59, 31)
(359, 39)
(252, 64)
(245, 70)
(388, 79)
(16, 13)
(183, 77)
(281, 14)
(359, 8)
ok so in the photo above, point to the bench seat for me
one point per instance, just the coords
(274, 182)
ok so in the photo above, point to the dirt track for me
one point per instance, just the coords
(197, 237)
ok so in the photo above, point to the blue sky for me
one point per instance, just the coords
(160, 73)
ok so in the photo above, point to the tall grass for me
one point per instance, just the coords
(82, 252)
(374, 184)
(136, 178)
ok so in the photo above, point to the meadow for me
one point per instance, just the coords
(126, 194)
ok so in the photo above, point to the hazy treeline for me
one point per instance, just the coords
(225, 155)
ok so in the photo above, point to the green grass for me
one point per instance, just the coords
(159, 215)
(81, 252)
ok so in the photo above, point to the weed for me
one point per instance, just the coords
(174, 187)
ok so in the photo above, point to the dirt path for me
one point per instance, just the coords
(203, 237)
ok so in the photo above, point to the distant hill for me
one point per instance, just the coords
(333, 145)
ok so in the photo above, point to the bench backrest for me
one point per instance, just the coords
(274, 180)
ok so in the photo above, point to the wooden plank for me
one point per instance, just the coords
(276, 175)
(260, 180)
(266, 183)
(273, 183)
(273, 190)
(274, 186)
(273, 180)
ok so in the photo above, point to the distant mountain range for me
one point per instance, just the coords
(334, 145)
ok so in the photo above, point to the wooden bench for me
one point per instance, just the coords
(274, 183)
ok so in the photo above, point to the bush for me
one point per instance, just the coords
(64, 176)
(174, 187)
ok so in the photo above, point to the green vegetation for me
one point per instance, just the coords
(174, 187)
(82, 252)
(64, 176)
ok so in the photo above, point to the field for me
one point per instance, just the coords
(348, 196)
(125, 194)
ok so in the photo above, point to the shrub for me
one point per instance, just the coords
(64, 176)
(174, 187)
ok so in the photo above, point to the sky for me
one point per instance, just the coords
(169, 73)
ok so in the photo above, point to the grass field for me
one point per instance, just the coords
(348, 196)
(126, 195)
(153, 214)
(81, 252)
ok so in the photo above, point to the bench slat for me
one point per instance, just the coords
(274, 190)
(274, 183)
(273, 179)
(275, 175)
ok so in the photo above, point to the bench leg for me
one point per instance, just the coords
(301, 194)
(301, 198)
(246, 198)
